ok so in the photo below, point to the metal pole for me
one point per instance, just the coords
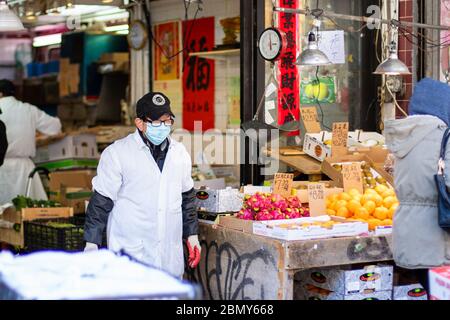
(361, 18)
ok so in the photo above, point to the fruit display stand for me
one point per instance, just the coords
(241, 265)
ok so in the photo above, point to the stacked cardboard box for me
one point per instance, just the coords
(439, 279)
(369, 283)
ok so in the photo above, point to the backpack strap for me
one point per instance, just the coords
(441, 163)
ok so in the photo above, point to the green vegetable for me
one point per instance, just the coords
(21, 202)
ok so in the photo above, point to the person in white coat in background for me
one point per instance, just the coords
(22, 120)
(144, 193)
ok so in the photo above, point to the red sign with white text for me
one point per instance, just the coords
(198, 75)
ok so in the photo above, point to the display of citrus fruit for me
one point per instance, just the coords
(362, 213)
(381, 189)
(370, 206)
(381, 213)
(388, 202)
(352, 205)
(373, 223)
(343, 212)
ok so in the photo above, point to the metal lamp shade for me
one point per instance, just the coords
(392, 66)
(8, 20)
(312, 56)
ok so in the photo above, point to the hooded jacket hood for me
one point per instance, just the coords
(404, 134)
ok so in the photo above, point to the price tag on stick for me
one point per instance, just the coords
(352, 177)
(316, 198)
(309, 117)
(282, 184)
(339, 140)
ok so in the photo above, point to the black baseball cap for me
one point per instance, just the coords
(153, 105)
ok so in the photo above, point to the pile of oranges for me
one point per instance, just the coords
(376, 206)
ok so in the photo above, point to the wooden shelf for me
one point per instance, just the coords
(216, 54)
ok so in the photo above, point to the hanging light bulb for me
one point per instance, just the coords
(392, 66)
(8, 20)
(312, 55)
(69, 4)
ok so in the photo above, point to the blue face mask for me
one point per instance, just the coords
(157, 135)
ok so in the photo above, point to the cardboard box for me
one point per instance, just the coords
(293, 231)
(346, 281)
(439, 280)
(301, 188)
(218, 201)
(71, 179)
(309, 292)
(15, 238)
(234, 223)
(72, 197)
(314, 143)
(120, 60)
(79, 146)
(410, 292)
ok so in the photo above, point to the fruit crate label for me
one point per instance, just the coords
(282, 184)
(309, 117)
(316, 198)
(352, 177)
(339, 139)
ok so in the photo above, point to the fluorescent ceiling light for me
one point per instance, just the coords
(8, 19)
(123, 32)
(47, 40)
(121, 27)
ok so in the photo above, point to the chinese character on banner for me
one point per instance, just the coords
(198, 75)
(289, 77)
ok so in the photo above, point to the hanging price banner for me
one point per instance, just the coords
(339, 140)
(352, 177)
(316, 196)
(282, 184)
(309, 117)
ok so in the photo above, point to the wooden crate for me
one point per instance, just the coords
(15, 238)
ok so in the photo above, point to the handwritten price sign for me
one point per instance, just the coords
(282, 184)
(309, 117)
(316, 196)
(339, 140)
(352, 177)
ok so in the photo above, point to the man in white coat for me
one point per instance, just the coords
(144, 195)
(22, 120)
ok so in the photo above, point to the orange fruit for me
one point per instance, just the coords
(333, 197)
(386, 222)
(345, 196)
(331, 212)
(367, 197)
(362, 213)
(340, 204)
(381, 213)
(354, 192)
(378, 200)
(373, 223)
(380, 189)
(343, 212)
(389, 201)
(352, 205)
(388, 193)
(392, 210)
(370, 206)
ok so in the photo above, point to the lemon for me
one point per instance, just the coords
(352, 205)
(378, 200)
(343, 212)
(380, 189)
(370, 206)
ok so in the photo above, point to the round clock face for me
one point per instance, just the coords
(271, 44)
(137, 36)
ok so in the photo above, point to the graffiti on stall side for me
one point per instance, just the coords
(230, 276)
(369, 249)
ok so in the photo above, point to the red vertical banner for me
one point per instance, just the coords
(289, 77)
(198, 75)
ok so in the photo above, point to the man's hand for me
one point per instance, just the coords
(194, 251)
(90, 247)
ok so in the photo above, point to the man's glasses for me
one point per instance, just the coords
(158, 123)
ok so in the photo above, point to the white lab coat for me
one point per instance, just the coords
(22, 120)
(146, 220)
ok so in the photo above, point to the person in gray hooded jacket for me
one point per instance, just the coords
(415, 141)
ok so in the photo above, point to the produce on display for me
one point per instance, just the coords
(376, 206)
(267, 206)
(21, 202)
(371, 178)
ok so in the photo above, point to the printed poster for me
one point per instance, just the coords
(166, 64)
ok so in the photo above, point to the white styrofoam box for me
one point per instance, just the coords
(410, 292)
(210, 183)
(309, 292)
(439, 280)
(377, 295)
(81, 146)
(218, 201)
(345, 281)
(345, 229)
(254, 189)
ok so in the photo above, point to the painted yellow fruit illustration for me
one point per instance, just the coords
(316, 91)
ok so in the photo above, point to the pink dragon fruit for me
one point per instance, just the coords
(248, 215)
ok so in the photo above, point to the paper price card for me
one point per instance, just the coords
(316, 198)
(339, 140)
(352, 177)
(309, 117)
(282, 184)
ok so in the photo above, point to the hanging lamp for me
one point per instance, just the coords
(312, 55)
(392, 66)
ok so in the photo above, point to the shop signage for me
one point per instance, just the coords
(316, 198)
(339, 139)
(288, 75)
(282, 184)
(198, 75)
(309, 117)
(352, 177)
